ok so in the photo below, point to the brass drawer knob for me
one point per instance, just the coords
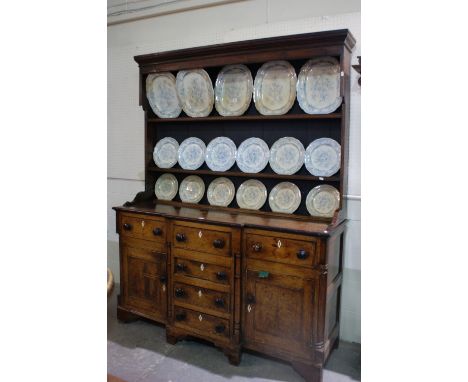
(256, 247)
(157, 231)
(180, 237)
(127, 227)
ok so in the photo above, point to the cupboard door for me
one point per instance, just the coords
(144, 281)
(278, 312)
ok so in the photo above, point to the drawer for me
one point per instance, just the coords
(281, 248)
(142, 227)
(202, 238)
(201, 297)
(204, 324)
(201, 270)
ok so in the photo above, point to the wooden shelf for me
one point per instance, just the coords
(263, 175)
(256, 117)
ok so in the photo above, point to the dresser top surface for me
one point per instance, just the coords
(231, 218)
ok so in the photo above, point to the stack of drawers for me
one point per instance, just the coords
(204, 259)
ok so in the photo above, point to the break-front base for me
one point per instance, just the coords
(240, 281)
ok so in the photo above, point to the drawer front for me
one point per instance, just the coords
(282, 248)
(200, 270)
(202, 238)
(203, 324)
(140, 227)
(201, 297)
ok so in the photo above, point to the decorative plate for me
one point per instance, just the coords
(318, 86)
(287, 156)
(221, 154)
(251, 194)
(323, 200)
(233, 90)
(285, 197)
(162, 95)
(253, 155)
(323, 157)
(166, 187)
(275, 88)
(195, 92)
(165, 152)
(191, 153)
(192, 189)
(221, 192)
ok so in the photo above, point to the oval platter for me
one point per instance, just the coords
(195, 92)
(162, 95)
(233, 90)
(275, 88)
(318, 86)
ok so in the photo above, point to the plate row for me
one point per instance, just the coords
(274, 90)
(285, 197)
(286, 157)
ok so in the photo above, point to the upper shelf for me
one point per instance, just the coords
(247, 117)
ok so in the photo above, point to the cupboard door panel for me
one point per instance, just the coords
(279, 311)
(145, 281)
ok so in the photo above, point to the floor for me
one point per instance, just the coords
(138, 352)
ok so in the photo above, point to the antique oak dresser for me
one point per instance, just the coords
(241, 279)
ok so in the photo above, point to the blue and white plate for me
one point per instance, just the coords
(323, 200)
(323, 157)
(221, 154)
(251, 194)
(166, 187)
(195, 92)
(165, 152)
(191, 153)
(253, 155)
(285, 197)
(318, 86)
(192, 189)
(233, 90)
(162, 95)
(221, 192)
(287, 156)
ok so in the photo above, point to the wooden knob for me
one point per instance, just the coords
(180, 237)
(302, 254)
(127, 226)
(163, 278)
(179, 292)
(219, 302)
(157, 232)
(250, 299)
(218, 243)
(221, 275)
(220, 328)
(180, 267)
(180, 316)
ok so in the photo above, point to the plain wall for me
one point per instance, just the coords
(235, 21)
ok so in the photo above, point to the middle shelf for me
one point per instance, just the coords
(242, 174)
